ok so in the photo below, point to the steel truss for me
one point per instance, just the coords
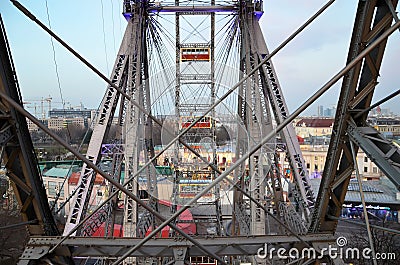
(128, 83)
(17, 152)
(372, 20)
(271, 93)
(381, 151)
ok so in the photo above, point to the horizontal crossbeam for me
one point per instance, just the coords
(194, 9)
(162, 247)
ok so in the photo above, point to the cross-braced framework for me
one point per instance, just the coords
(213, 75)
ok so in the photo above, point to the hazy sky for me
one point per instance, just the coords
(305, 65)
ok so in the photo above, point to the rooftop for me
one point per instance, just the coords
(60, 171)
(315, 122)
(376, 192)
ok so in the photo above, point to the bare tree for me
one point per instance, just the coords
(386, 245)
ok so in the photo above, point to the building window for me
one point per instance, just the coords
(365, 169)
(375, 170)
(61, 189)
(365, 159)
(52, 188)
(51, 203)
(308, 165)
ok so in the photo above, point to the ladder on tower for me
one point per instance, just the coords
(96, 220)
(144, 223)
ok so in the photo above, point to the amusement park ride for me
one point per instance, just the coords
(220, 73)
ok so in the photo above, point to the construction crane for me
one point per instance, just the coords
(42, 102)
(34, 107)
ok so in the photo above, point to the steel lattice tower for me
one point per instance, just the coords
(257, 96)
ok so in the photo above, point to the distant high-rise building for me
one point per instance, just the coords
(330, 112)
(320, 111)
(386, 112)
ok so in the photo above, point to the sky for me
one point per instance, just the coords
(94, 29)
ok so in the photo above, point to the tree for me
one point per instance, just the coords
(384, 244)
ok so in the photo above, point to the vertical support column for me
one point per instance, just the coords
(131, 126)
(239, 226)
(146, 124)
(177, 83)
(260, 123)
(256, 119)
(240, 222)
(177, 174)
(217, 194)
